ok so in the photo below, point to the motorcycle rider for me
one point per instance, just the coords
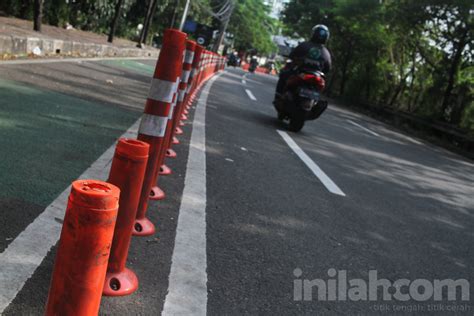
(310, 55)
(253, 64)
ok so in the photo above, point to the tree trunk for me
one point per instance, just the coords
(329, 87)
(38, 15)
(345, 65)
(397, 92)
(24, 7)
(367, 81)
(113, 24)
(460, 106)
(412, 83)
(175, 12)
(147, 23)
(150, 20)
(456, 61)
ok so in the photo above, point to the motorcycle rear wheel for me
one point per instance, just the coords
(296, 124)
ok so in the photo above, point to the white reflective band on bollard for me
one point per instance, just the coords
(189, 56)
(162, 90)
(173, 105)
(153, 125)
(181, 94)
(185, 76)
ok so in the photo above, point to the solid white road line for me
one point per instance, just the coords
(325, 180)
(23, 255)
(187, 290)
(364, 128)
(250, 94)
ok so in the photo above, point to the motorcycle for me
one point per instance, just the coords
(253, 64)
(233, 61)
(301, 100)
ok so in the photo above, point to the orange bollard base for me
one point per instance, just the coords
(185, 111)
(170, 153)
(157, 194)
(143, 227)
(165, 170)
(184, 117)
(120, 283)
(178, 131)
(175, 141)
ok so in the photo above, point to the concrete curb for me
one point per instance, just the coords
(23, 46)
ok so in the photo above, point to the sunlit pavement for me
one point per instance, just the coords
(272, 215)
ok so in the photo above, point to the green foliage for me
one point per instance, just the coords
(415, 56)
(252, 27)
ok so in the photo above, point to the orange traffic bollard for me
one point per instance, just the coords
(170, 153)
(178, 108)
(165, 170)
(155, 118)
(127, 172)
(178, 131)
(182, 88)
(83, 252)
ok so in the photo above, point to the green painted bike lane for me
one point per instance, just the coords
(47, 139)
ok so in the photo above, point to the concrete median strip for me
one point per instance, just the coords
(26, 252)
(67, 60)
(325, 180)
(187, 291)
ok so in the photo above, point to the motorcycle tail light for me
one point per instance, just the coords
(315, 80)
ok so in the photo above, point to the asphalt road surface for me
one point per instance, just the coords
(253, 213)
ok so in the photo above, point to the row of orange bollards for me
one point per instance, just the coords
(101, 217)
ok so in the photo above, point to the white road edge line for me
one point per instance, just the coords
(250, 94)
(187, 290)
(325, 180)
(364, 128)
(25, 253)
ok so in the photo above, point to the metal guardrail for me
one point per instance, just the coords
(457, 138)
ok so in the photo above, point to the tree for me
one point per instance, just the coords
(113, 24)
(251, 26)
(38, 15)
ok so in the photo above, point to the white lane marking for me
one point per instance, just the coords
(325, 180)
(250, 94)
(187, 290)
(23, 255)
(364, 128)
(244, 82)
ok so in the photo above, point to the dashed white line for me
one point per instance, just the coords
(26, 252)
(250, 94)
(244, 82)
(364, 128)
(320, 174)
(187, 290)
